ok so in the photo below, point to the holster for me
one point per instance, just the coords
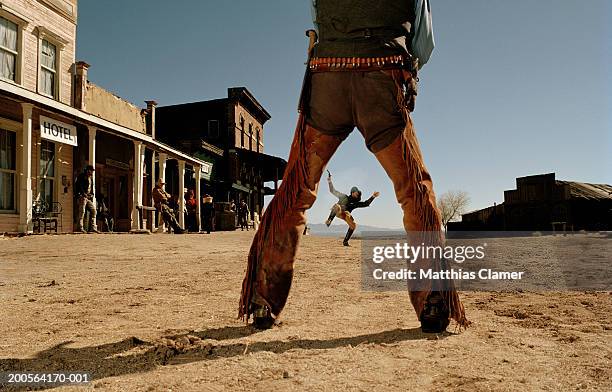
(411, 80)
(304, 94)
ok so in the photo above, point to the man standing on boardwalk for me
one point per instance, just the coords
(84, 191)
(243, 215)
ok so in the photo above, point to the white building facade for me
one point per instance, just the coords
(54, 122)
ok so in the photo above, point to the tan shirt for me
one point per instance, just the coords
(160, 196)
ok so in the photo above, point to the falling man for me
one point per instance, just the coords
(345, 205)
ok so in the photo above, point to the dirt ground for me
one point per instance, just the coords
(158, 313)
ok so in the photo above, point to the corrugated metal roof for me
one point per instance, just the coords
(583, 190)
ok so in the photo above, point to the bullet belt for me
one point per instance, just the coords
(325, 64)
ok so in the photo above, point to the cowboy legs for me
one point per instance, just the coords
(350, 221)
(170, 219)
(335, 210)
(339, 102)
(270, 268)
(379, 109)
(414, 192)
(86, 204)
(330, 119)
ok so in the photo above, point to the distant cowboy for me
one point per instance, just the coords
(345, 205)
(208, 214)
(84, 192)
(104, 213)
(161, 198)
(243, 215)
(191, 204)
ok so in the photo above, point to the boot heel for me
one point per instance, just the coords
(262, 318)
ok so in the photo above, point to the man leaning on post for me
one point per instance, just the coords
(161, 199)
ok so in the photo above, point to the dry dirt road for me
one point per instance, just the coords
(158, 313)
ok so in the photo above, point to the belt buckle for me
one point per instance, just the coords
(367, 33)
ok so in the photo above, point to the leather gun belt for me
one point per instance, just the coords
(327, 64)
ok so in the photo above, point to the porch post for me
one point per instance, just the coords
(163, 157)
(152, 185)
(143, 169)
(198, 177)
(92, 159)
(137, 183)
(181, 191)
(25, 181)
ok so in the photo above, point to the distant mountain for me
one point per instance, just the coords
(338, 230)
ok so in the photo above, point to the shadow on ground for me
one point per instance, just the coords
(133, 355)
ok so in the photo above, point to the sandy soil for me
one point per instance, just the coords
(158, 313)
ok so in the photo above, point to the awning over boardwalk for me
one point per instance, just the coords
(241, 188)
(272, 167)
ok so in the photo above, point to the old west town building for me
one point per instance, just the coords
(229, 134)
(541, 202)
(54, 122)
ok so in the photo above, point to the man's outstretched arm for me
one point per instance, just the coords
(367, 203)
(333, 190)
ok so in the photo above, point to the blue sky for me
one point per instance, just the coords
(513, 88)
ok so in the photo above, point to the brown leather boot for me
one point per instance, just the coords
(270, 264)
(435, 317)
(262, 318)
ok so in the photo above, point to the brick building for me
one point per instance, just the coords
(54, 122)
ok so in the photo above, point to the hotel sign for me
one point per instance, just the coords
(58, 131)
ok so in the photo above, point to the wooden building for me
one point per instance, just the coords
(54, 122)
(541, 202)
(229, 134)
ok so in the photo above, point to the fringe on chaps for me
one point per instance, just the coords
(268, 280)
(274, 216)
